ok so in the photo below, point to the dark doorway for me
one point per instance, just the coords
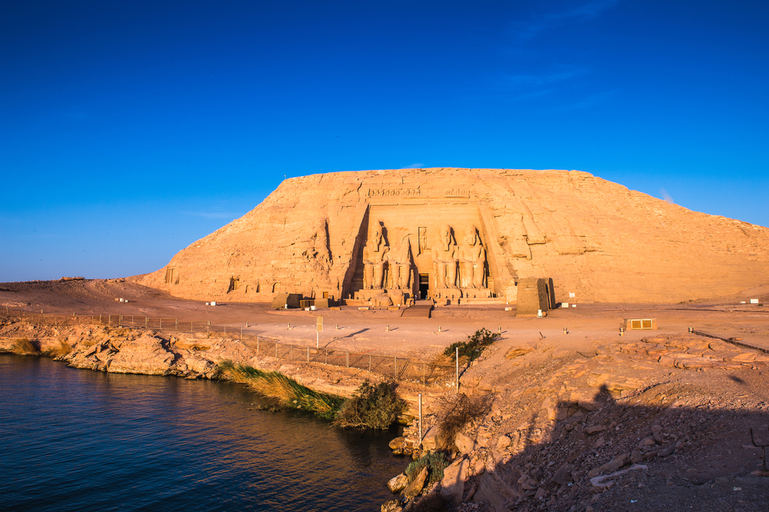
(424, 285)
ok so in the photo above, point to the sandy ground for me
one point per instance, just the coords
(569, 391)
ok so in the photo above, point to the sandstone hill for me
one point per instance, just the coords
(597, 240)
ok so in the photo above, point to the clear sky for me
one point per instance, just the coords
(130, 129)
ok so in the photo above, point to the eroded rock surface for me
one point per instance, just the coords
(598, 241)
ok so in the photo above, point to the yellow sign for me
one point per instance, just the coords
(319, 324)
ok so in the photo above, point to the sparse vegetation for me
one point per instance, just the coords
(25, 347)
(458, 411)
(372, 406)
(474, 346)
(283, 390)
(435, 462)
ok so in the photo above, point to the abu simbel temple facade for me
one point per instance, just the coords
(467, 236)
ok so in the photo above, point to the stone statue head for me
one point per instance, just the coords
(446, 235)
(376, 233)
(471, 235)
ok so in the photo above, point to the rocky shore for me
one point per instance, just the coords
(657, 423)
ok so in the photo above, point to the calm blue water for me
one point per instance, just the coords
(81, 440)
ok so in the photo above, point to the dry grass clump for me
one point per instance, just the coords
(458, 411)
(25, 347)
(284, 390)
(62, 350)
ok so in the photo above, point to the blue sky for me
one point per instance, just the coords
(128, 130)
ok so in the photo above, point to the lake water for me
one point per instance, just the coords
(82, 440)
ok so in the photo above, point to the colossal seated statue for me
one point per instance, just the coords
(472, 260)
(445, 255)
(400, 264)
(374, 258)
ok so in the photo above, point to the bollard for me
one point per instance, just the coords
(439, 328)
(499, 331)
(388, 328)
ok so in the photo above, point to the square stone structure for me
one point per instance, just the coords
(534, 295)
(467, 236)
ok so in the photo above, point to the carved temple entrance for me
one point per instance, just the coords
(412, 252)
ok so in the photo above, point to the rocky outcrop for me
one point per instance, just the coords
(598, 240)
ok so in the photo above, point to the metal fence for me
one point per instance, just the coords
(424, 372)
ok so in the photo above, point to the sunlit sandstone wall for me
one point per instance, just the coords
(595, 238)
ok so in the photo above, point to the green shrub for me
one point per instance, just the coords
(474, 346)
(435, 462)
(372, 406)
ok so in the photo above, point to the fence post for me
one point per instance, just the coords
(176, 323)
(348, 358)
(146, 320)
(395, 371)
(276, 350)
(326, 361)
(369, 362)
(308, 353)
(420, 420)
(257, 347)
(456, 359)
(190, 327)
(161, 323)
(241, 334)
(99, 319)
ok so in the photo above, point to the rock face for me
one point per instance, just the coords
(468, 235)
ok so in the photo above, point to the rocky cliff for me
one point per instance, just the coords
(598, 240)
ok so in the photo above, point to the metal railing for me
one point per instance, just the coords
(427, 373)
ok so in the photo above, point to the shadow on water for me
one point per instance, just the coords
(81, 440)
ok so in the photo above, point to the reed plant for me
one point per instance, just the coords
(283, 390)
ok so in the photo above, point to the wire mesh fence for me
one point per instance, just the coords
(427, 373)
